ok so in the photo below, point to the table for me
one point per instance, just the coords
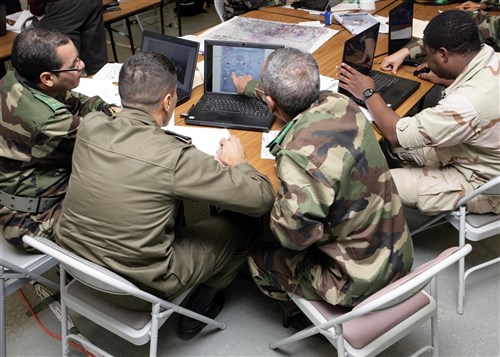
(129, 8)
(328, 57)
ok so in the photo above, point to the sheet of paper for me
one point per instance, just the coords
(205, 139)
(311, 23)
(109, 71)
(418, 28)
(20, 18)
(199, 74)
(104, 88)
(355, 23)
(328, 83)
(198, 39)
(266, 139)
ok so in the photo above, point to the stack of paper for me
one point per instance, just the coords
(355, 23)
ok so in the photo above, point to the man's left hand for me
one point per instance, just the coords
(353, 81)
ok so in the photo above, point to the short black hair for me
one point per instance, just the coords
(145, 79)
(454, 30)
(35, 51)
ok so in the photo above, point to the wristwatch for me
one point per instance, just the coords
(368, 93)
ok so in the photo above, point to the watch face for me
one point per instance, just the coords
(368, 93)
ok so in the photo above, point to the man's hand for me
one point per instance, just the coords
(472, 6)
(353, 81)
(240, 82)
(392, 62)
(231, 152)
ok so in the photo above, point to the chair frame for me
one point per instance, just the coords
(387, 298)
(96, 277)
(18, 268)
(458, 219)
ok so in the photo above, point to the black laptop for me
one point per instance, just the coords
(183, 53)
(401, 31)
(316, 5)
(359, 52)
(220, 105)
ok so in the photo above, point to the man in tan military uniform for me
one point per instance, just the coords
(128, 181)
(451, 149)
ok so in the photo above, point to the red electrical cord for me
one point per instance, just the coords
(48, 332)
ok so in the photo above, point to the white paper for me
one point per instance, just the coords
(19, 18)
(109, 71)
(418, 28)
(328, 83)
(311, 23)
(198, 39)
(205, 139)
(355, 23)
(266, 139)
(199, 74)
(104, 88)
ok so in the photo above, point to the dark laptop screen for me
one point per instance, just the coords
(400, 26)
(359, 51)
(183, 53)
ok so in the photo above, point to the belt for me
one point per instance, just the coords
(28, 204)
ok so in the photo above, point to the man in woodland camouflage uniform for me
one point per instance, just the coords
(39, 119)
(337, 217)
(448, 150)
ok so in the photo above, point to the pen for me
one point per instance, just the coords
(349, 15)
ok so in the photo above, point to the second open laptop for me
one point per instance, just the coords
(401, 30)
(359, 52)
(220, 105)
(183, 53)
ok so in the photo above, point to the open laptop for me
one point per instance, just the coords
(183, 53)
(393, 89)
(401, 30)
(220, 105)
(316, 5)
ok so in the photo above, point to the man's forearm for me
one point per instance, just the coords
(384, 117)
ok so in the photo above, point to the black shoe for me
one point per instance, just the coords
(188, 327)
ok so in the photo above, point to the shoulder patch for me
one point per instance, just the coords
(183, 138)
(52, 103)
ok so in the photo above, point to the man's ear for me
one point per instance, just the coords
(270, 102)
(47, 79)
(443, 54)
(167, 102)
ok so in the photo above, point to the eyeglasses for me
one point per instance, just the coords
(73, 69)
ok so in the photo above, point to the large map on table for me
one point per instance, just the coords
(242, 29)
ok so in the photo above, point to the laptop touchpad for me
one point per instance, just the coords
(225, 118)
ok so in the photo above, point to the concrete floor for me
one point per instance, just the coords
(252, 319)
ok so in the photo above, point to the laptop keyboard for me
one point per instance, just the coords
(382, 81)
(234, 106)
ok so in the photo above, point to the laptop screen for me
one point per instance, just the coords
(400, 26)
(183, 53)
(359, 51)
(223, 57)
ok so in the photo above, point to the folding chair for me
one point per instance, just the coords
(471, 226)
(219, 8)
(16, 269)
(385, 317)
(86, 295)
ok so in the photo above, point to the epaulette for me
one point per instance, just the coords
(183, 138)
(52, 103)
(275, 145)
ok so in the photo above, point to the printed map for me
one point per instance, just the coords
(242, 29)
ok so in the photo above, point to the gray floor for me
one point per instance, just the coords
(252, 319)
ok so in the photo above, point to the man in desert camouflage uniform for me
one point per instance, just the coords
(451, 149)
(39, 119)
(338, 218)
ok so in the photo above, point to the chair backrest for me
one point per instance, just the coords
(219, 7)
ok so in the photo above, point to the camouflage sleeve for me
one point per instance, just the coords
(492, 5)
(54, 138)
(251, 88)
(302, 204)
(489, 29)
(255, 4)
(439, 126)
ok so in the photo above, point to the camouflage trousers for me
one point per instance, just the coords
(277, 270)
(14, 224)
(424, 184)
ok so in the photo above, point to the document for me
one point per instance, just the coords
(355, 23)
(104, 88)
(109, 71)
